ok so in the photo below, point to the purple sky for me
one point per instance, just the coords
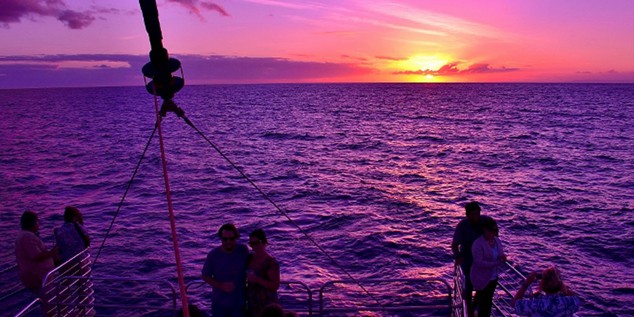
(95, 43)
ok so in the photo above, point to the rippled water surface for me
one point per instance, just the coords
(377, 174)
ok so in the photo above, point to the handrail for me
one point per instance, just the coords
(444, 283)
(512, 276)
(8, 268)
(62, 303)
(14, 288)
(288, 283)
(501, 304)
(459, 304)
(66, 266)
(60, 298)
(28, 308)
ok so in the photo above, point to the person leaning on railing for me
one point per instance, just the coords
(71, 237)
(554, 298)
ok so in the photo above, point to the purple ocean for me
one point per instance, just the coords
(377, 174)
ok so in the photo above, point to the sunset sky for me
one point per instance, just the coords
(61, 43)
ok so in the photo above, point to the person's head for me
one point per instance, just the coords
(551, 282)
(257, 239)
(272, 310)
(72, 214)
(489, 228)
(28, 221)
(228, 234)
(472, 210)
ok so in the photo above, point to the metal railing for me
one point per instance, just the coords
(509, 280)
(13, 295)
(459, 305)
(388, 295)
(33, 308)
(10, 289)
(293, 295)
(67, 289)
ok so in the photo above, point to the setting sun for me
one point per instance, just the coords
(426, 63)
(419, 68)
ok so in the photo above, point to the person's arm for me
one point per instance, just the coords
(503, 258)
(520, 293)
(455, 250)
(46, 254)
(455, 246)
(207, 275)
(209, 280)
(223, 286)
(272, 282)
(36, 250)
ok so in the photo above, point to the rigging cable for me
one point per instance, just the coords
(168, 196)
(279, 209)
(125, 194)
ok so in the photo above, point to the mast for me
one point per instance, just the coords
(163, 84)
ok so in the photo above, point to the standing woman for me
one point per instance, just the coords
(71, 237)
(488, 256)
(263, 275)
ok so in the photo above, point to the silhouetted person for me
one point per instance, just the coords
(467, 231)
(552, 299)
(71, 237)
(488, 257)
(225, 271)
(34, 260)
(263, 277)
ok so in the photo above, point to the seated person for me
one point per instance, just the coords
(553, 299)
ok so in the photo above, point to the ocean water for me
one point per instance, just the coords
(377, 174)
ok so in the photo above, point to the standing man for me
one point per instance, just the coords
(225, 271)
(34, 260)
(467, 231)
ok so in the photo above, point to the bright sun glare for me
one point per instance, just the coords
(424, 63)
(427, 62)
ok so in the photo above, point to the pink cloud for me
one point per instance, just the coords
(194, 6)
(109, 70)
(13, 11)
(485, 68)
(75, 20)
(452, 69)
(390, 58)
(214, 7)
(356, 58)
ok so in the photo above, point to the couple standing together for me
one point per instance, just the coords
(34, 260)
(228, 266)
(479, 252)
